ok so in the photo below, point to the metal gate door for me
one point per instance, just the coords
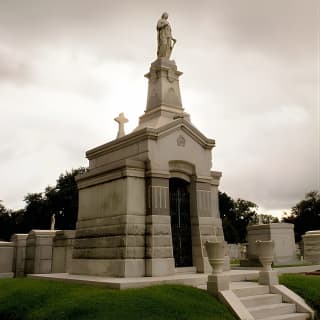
(180, 223)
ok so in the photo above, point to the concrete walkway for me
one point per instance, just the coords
(281, 270)
(198, 280)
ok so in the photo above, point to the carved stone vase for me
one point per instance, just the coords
(215, 251)
(265, 253)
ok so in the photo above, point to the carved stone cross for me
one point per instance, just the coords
(121, 119)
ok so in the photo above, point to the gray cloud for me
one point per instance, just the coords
(250, 81)
(13, 68)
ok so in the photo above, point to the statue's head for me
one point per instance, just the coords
(165, 15)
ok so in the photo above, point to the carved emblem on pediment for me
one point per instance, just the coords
(181, 141)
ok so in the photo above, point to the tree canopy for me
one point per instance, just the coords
(305, 215)
(236, 215)
(60, 200)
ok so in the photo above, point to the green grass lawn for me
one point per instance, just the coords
(29, 299)
(307, 287)
(24, 299)
(292, 265)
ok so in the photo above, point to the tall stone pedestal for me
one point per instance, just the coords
(164, 99)
(149, 200)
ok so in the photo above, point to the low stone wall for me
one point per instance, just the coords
(39, 251)
(6, 259)
(46, 251)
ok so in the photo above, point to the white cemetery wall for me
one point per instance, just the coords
(234, 251)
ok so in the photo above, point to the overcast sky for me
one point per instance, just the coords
(251, 82)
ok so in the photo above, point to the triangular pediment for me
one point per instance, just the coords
(188, 129)
(153, 134)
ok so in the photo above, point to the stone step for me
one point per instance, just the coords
(243, 275)
(262, 299)
(251, 290)
(289, 316)
(272, 310)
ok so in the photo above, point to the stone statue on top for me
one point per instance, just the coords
(165, 40)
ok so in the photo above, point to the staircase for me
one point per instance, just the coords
(261, 303)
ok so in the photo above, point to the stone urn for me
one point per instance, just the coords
(215, 251)
(265, 253)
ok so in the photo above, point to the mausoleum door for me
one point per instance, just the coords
(180, 222)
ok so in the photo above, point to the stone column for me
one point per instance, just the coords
(205, 219)
(110, 235)
(159, 252)
(62, 251)
(39, 251)
(6, 261)
(20, 243)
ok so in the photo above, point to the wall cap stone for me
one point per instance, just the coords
(279, 225)
(19, 236)
(42, 233)
(6, 244)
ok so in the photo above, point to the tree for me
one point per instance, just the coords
(62, 200)
(36, 212)
(236, 215)
(266, 219)
(228, 217)
(5, 222)
(305, 215)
